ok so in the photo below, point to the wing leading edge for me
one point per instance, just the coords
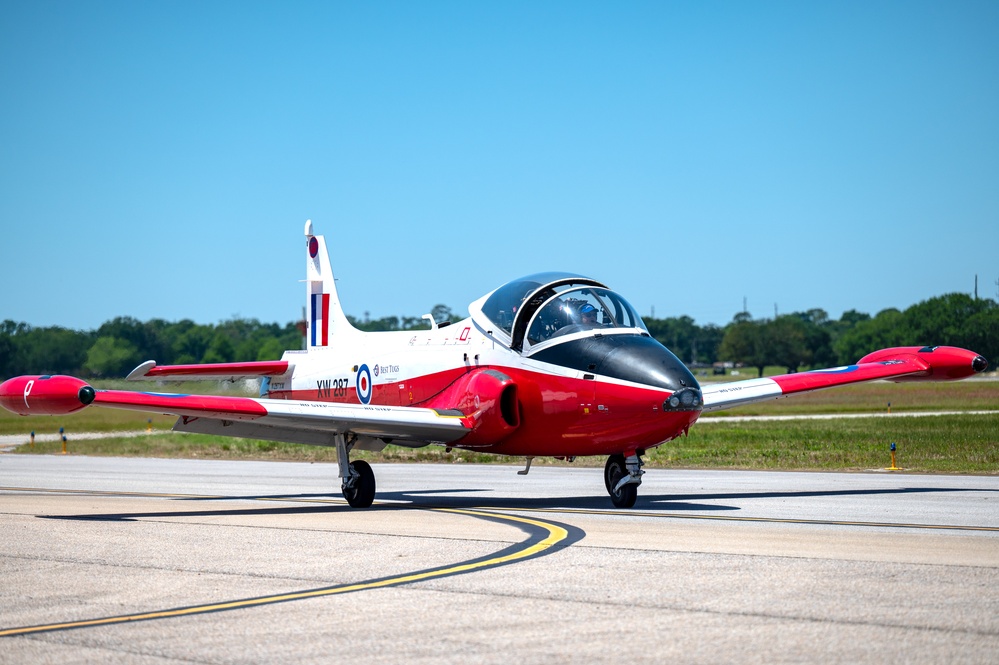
(911, 363)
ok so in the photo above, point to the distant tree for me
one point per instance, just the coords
(271, 349)
(220, 350)
(982, 333)
(111, 357)
(291, 336)
(944, 319)
(952, 319)
(708, 339)
(785, 343)
(11, 360)
(683, 337)
(759, 343)
(744, 343)
(53, 350)
(442, 313)
(191, 345)
(852, 317)
(802, 339)
(818, 338)
(889, 328)
(144, 338)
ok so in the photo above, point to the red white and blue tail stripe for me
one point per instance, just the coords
(325, 318)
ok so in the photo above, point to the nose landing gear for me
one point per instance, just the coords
(622, 476)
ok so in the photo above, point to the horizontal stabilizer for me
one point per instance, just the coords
(209, 371)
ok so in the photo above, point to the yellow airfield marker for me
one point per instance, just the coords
(893, 467)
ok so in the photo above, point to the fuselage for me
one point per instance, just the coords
(534, 382)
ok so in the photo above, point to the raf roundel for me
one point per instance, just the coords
(363, 384)
(313, 247)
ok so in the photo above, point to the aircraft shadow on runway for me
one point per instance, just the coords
(452, 498)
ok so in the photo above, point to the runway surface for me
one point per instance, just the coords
(166, 561)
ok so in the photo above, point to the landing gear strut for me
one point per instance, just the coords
(622, 476)
(357, 478)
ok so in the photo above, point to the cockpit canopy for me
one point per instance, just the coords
(542, 307)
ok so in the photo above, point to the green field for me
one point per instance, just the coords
(929, 444)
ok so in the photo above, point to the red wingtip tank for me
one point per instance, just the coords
(945, 362)
(45, 395)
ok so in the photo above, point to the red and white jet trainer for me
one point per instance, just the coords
(553, 364)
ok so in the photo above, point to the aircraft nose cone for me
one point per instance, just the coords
(979, 364)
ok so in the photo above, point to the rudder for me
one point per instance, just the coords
(325, 317)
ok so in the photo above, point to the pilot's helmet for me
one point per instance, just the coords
(588, 310)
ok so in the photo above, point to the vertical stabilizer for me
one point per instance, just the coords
(325, 317)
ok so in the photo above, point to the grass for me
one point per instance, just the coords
(931, 444)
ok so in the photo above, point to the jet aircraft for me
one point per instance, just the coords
(552, 364)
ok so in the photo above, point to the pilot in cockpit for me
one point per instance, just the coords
(588, 315)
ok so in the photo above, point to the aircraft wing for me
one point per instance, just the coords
(928, 363)
(269, 419)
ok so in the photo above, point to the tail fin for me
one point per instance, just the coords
(325, 318)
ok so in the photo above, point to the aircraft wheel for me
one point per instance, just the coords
(362, 494)
(614, 470)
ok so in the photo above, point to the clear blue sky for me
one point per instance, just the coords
(159, 159)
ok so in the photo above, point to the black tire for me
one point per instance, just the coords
(362, 494)
(614, 470)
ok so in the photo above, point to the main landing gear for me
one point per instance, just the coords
(622, 476)
(357, 478)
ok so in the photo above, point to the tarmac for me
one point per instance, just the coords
(170, 561)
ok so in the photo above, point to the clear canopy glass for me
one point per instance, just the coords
(506, 302)
(534, 309)
(579, 309)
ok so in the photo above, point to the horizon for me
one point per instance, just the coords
(464, 314)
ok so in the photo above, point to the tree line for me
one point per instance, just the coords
(796, 341)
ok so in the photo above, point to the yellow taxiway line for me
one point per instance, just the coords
(532, 547)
